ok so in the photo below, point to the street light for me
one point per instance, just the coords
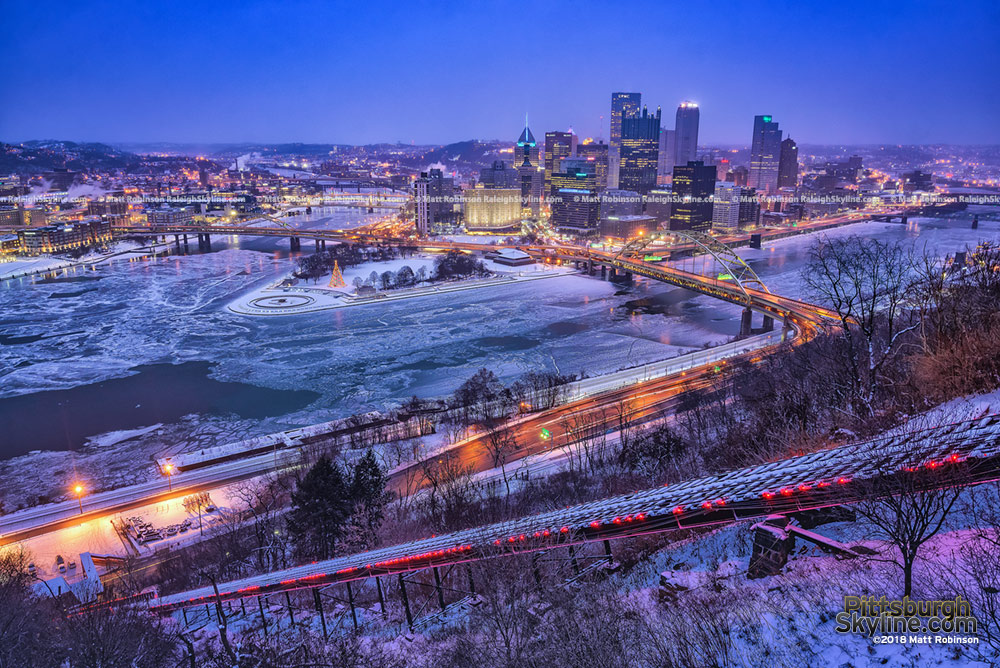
(78, 490)
(169, 470)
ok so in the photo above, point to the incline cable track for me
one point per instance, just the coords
(959, 454)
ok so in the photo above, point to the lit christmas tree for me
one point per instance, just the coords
(337, 278)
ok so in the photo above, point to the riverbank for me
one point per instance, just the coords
(46, 264)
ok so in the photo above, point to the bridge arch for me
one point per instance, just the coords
(735, 267)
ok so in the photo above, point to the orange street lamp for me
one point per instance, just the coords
(169, 470)
(78, 490)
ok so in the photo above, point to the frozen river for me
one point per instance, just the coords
(90, 328)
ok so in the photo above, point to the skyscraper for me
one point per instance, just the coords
(693, 189)
(788, 164)
(526, 163)
(686, 133)
(749, 208)
(726, 208)
(622, 105)
(558, 145)
(597, 153)
(765, 154)
(434, 199)
(575, 204)
(665, 161)
(640, 148)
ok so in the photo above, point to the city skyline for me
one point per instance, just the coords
(188, 74)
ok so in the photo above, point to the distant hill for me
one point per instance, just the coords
(463, 155)
(35, 157)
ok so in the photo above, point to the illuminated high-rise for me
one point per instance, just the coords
(686, 133)
(622, 105)
(640, 149)
(597, 153)
(526, 163)
(575, 202)
(434, 201)
(693, 190)
(726, 208)
(765, 154)
(558, 145)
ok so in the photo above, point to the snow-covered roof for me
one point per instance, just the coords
(513, 254)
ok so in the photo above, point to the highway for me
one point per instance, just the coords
(35, 521)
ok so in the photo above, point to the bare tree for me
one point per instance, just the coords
(979, 573)
(906, 508)
(500, 442)
(505, 616)
(119, 638)
(868, 284)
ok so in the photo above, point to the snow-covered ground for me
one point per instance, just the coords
(31, 265)
(312, 296)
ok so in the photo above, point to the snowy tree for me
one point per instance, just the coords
(320, 508)
(405, 276)
(868, 284)
(369, 496)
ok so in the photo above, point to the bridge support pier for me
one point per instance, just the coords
(604, 272)
(612, 274)
(590, 267)
(768, 323)
(295, 243)
(204, 241)
(381, 596)
(406, 602)
(771, 546)
(975, 222)
(263, 618)
(319, 609)
(628, 278)
(903, 219)
(350, 599)
(437, 586)
(573, 560)
(746, 322)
